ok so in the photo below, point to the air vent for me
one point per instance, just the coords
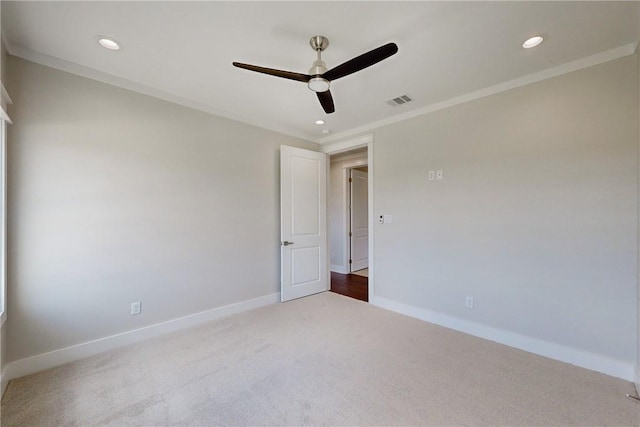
(399, 100)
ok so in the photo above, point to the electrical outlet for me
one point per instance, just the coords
(432, 175)
(439, 175)
(468, 302)
(135, 308)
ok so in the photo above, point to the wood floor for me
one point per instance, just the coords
(350, 285)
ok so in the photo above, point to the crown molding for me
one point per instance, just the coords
(599, 58)
(347, 145)
(91, 73)
(80, 70)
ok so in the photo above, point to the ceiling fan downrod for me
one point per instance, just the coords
(317, 83)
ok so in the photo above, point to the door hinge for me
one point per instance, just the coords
(350, 262)
(350, 180)
(350, 234)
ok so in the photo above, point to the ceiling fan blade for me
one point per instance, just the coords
(326, 100)
(272, 72)
(361, 62)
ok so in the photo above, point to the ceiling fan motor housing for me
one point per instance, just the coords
(318, 68)
(317, 83)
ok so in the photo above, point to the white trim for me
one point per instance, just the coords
(91, 73)
(349, 144)
(574, 356)
(327, 227)
(346, 201)
(349, 155)
(3, 383)
(609, 55)
(372, 222)
(30, 365)
(356, 162)
(5, 100)
(342, 147)
(4, 116)
(80, 70)
(5, 95)
(339, 269)
(3, 222)
(636, 379)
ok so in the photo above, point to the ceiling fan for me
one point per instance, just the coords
(319, 78)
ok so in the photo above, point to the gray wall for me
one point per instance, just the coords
(117, 197)
(637, 367)
(3, 334)
(536, 217)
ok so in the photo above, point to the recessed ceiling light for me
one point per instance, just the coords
(108, 43)
(319, 122)
(532, 42)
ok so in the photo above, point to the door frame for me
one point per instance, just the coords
(342, 146)
(346, 198)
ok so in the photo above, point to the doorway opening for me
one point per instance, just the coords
(348, 209)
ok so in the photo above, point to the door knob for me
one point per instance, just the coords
(285, 243)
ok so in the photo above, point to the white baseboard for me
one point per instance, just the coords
(40, 362)
(339, 269)
(636, 379)
(3, 383)
(581, 358)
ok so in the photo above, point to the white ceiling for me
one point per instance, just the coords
(182, 51)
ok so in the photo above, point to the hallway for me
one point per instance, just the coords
(350, 285)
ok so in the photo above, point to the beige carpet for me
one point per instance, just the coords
(364, 272)
(321, 360)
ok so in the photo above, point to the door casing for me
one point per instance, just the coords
(356, 232)
(349, 145)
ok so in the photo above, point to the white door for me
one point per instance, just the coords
(359, 220)
(303, 222)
